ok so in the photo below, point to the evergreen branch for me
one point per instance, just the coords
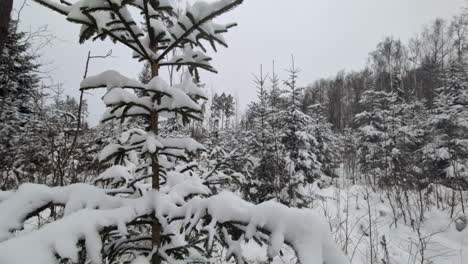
(124, 116)
(130, 30)
(193, 64)
(196, 26)
(129, 105)
(148, 22)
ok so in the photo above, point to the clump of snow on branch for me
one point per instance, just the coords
(302, 229)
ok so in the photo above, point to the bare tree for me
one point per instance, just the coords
(459, 29)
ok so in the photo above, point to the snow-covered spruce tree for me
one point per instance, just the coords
(407, 137)
(301, 163)
(291, 148)
(389, 140)
(227, 163)
(262, 186)
(35, 134)
(446, 150)
(328, 143)
(19, 88)
(188, 224)
(260, 112)
(374, 136)
(275, 105)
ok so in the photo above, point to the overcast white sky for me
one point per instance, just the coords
(325, 36)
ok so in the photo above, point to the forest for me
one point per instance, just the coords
(367, 166)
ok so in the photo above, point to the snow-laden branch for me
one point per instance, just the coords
(148, 142)
(302, 229)
(30, 199)
(108, 18)
(110, 79)
(161, 98)
(60, 238)
(200, 13)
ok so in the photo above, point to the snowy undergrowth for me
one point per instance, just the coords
(303, 230)
(347, 213)
(435, 239)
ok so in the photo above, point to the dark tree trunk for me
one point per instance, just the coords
(5, 10)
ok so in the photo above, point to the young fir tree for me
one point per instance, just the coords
(275, 105)
(292, 148)
(259, 112)
(300, 145)
(261, 186)
(163, 32)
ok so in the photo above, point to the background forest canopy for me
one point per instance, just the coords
(393, 135)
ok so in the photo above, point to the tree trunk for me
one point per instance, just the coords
(156, 226)
(5, 10)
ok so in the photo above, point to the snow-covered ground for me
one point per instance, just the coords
(438, 240)
(347, 212)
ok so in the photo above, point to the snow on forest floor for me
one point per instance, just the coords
(438, 241)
